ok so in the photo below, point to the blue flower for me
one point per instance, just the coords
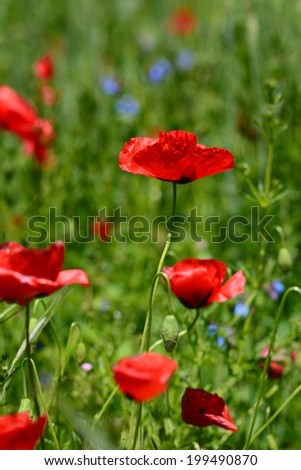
(158, 71)
(274, 289)
(127, 106)
(278, 287)
(220, 341)
(211, 330)
(185, 59)
(241, 309)
(109, 85)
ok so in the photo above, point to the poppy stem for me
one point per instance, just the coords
(266, 364)
(146, 335)
(28, 354)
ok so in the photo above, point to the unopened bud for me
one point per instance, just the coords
(80, 352)
(170, 333)
(25, 406)
(285, 259)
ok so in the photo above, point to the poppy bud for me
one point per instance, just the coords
(170, 332)
(80, 352)
(285, 259)
(25, 406)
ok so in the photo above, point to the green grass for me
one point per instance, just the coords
(237, 47)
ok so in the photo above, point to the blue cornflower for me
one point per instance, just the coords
(185, 59)
(220, 341)
(127, 106)
(109, 85)
(158, 71)
(241, 309)
(274, 289)
(211, 330)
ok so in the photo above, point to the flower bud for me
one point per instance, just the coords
(80, 352)
(285, 259)
(25, 406)
(170, 333)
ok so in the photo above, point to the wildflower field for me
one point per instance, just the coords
(150, 225)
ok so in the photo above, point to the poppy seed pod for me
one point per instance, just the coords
(285, 261)
(170, 333)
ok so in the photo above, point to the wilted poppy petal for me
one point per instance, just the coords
(201, 408)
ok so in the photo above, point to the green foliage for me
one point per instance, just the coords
(242, 93)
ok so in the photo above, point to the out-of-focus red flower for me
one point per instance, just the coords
(49, 95)
(182, 21)
(28, 273)
(199, 282)
(174, 156)
(201, 408)
(18, 432)
(278, 362)
(102, 229)
(18, 117)
(145, 376)
(44, 68)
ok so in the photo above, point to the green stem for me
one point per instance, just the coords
(266, 364)
(41, 396)
(268, 173)
(136, 412)
(28, 355)
(280, 409)
(100, 414)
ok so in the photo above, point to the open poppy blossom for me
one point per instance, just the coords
(199, 282)
(174, 156)
(18, 117)
(28, 273)
(201, 408)
(18, 432)
(43, 68)
(145, 376)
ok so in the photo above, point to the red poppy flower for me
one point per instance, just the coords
(102, 229)
(201, 408)
(43, 68)
(28, 273)
(18, 117)
(198, 282)
(144, 377)
(182, 21)
(174, 156)
(279, 361)
(18, 432)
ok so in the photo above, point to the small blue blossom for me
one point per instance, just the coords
(127, 106)
(278, 287)
(274, 289)
(211, 330)
(185, 59)
(158, 71)
(241, 310)
(104, 306)
(220, 341)
(109, 85)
